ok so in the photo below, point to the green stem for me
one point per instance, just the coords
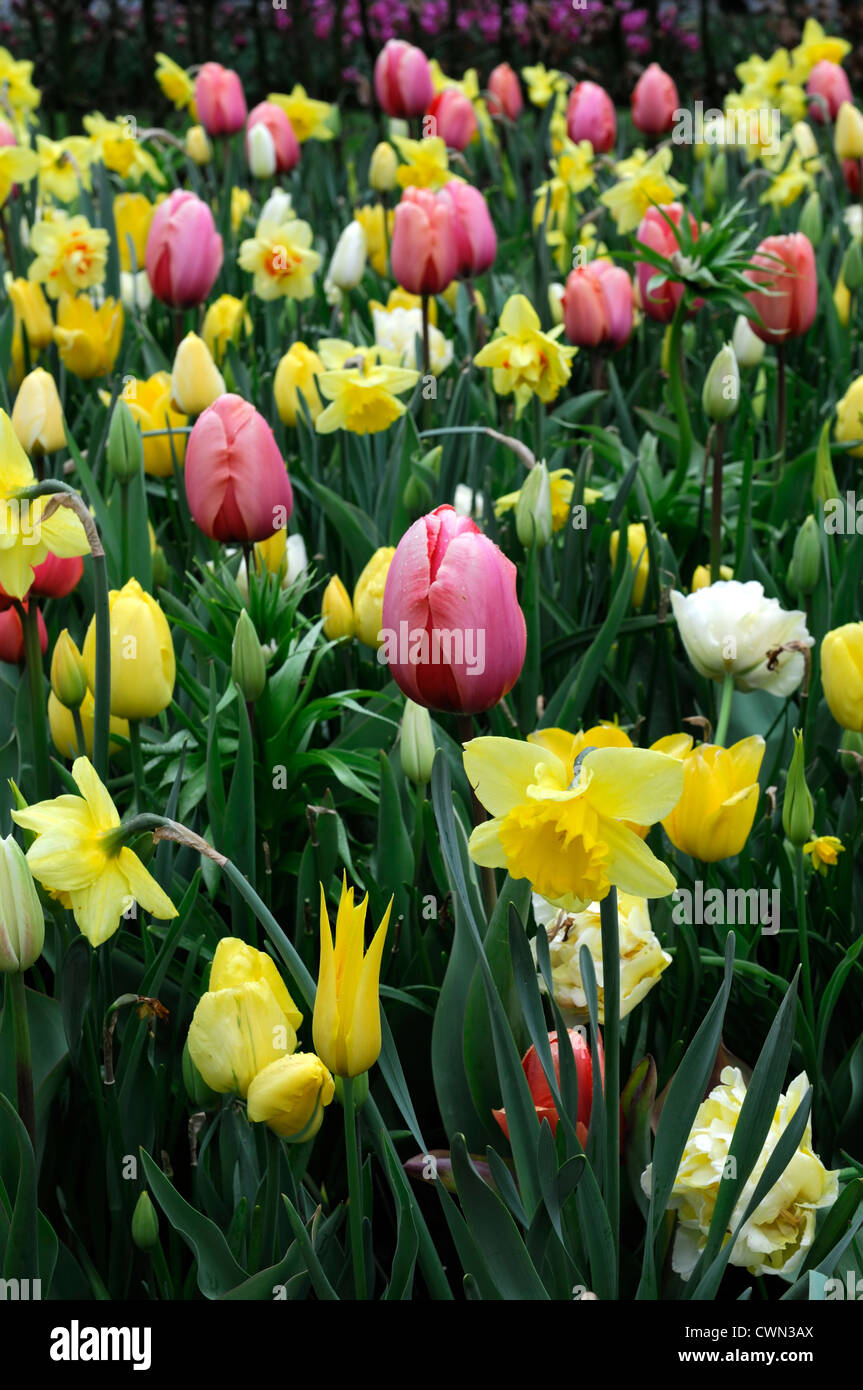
(678, 395)
(355, 1190)
(137, 765)
(125, 532)
(781, 408)
(33, 657)
(724, 709)
(803, 936)
(80, 740)
(489, 885)
(23, 1060)
(161, 1271)
(611, 1011)
(102, 693)
(716, 505)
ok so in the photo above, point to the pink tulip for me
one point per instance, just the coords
(403, 80)
(236, 482)
(830, 81)
(56, 577)
(654, 101)
(787, 269)
(287, 146)
(219, 99)
(184, 251)
(475, 235)
(597, 305)
(7, 134)
(505, 93)
(655, 232)
(12, 635)
(454, 118)
(425, 248)
(453, 632)
(590, 115)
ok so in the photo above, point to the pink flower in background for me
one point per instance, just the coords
(276, 122)
(654, 101)
(220, 100)
(476, 240)
(236, 482)
(184, 251)
(403, 81)
(597, 305)
(590, 116)
(504, 92)
(830, 81)
(454, 117)
(786, 268)
(655, 232)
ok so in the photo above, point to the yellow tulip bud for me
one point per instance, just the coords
(295, 377)
(22, 924)
(347, 1019)
(337, 611)
(37, 415)
(32, 313)
(195, 379)
(848, 133)
(842, 675)
(369, 596)
(842, 301)
(555, 302)
(133, 214)
(636, 544)
(62, 727)
(701, 576)
(714, 815)
(290, 1095)
(142, 654)
(225, 321)
(68, 676)
(198, 147)
(382, 169)
(849, 416)
(149, 403)
(797, 809)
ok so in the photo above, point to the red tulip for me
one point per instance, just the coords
(236, 482)
(475, 235)
(454, 117)
(504, 93)
(851, 175)
(12, 635)
(219, 100)
(453, 632)
(597, 305)
(184, 251)
(590, 115)
(541, 1091)
(56, 577)
(786, 268)
(830, 81)
(403, 80)
(425, 249)
(276, 120)
(654, 101)
(655, 232)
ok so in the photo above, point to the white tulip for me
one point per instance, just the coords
(278, 208)
(730, 628)
(261, 149)
(349, 259)
(135, 291)
(748, 347)
(297, 559)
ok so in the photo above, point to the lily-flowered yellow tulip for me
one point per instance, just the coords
(347, 1018)
(79, 856)
(88, 339)
(142, 654)
(26, 535)
(290, 1096)
(226, 320)
(714, 815)
(567, 835)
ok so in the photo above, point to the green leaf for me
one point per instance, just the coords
(218, 1271)
(494, 1231)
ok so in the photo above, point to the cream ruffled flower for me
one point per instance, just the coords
(732, 628)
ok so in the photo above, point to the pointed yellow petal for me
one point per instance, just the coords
(519, 316)
(99, 908)
(325, 1021)
(484, 845)
(96, 795)
(144, 888)
(363, 1041)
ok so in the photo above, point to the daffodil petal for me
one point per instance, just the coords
(631, 866)
(144, 888)
(633, 784)
(484, 845)
(501, 769)
(95, 793)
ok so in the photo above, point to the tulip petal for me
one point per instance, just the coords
(633, 784)
(363, 1039)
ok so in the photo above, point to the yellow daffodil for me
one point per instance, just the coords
(526, 361)
(176, 83)
(574, 165)
(310, 119)
(642, 182)
(825, 851)
(225, 321)
(815, 46)
(281, 259)
(543, 83)
(133, 214)
(241, 202)
(118, 147)
(636, 544)
(27, 536)
(18, 164)
(566, 834)
(347, 1022)
(70, 255)
(64, 167)
(78, 854)
(714, 815)
(426, 163)
(88, 339)
(371, 219)
(18, 90)
(149, 401)
(363, 397)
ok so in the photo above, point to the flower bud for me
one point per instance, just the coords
(805, 568)
(555, 302)
(417, 745)
(261, 150)
(248, 666)
(382, 169)
(851, 752)
(349, 259)
(290, 1095)
(198, 146)
(68, 675)
(842, 301)
(748, 347)
(125, 445)
(337, 611)
(533, 522)
(145, 1223)
(852, 266)
(797, 809)
(369, 596)
(196, 381)
(22, 925)
(37, 415)
(824, 484)
(721, 392)
(759, 395)
(811, 221)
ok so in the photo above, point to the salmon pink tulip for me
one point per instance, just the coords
(219, 100)
(475, 235)
(829, 81)
(590, 115)
(236, 482)
(654, 101)
(454, 118)
(597, 305)
(184, 251)
(403, 80)
(504, 93)
(788, 296)
(425, 248)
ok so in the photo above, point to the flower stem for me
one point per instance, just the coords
(80, 740)
(803, 935)
(23, 1058)
(355, 1190)
(610, 928)
(137, 765)
(678, 395)
(724, 709)
(781, 408)
(102, 693)
(125, 532)
(716, 505)
(489, 886)
(33, 656)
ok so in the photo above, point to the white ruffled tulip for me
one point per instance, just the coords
(730, 628)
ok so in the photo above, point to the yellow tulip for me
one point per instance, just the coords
(37, 415)
(382, 168)
(842, 675)
(849, 416)
(378, 233)
(88, 339)
(236, 963)
(150, 405)
(225, 321)
(198, 147)
(62, 726)
(636, 544)
(337, 611)
(290, 1095)
(142, 654)
(842, 301)
(701, 576)
(848, 133)
(369, 596)
(347, 1020)
(295, 377)
(714, 815)
(28, 535)
(196, 381)
(133, 214)
(31, 317)
(68, 676)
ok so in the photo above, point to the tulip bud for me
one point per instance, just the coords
(349, 259)
(811, 221)
(759, 395)
(851, 746)
(145, 1223)
(417, 745)
(721, 392)
(417, 496)
(22, 925)
(369, 596)
(198, 147)
(533, 521)
(248, 667)
(37, 415)
(805, 568)
(748, 347)
(852, 266)
(848, 134)
(382, 170)
(261, 150)
(196, 381)
(824, 484)
(842, 301)
(337, 611)
(68, 675)
(797, 809)
(555, 302)
(125, 445)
